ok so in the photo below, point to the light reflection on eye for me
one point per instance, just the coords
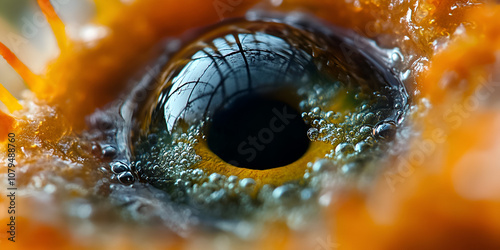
(259, 115)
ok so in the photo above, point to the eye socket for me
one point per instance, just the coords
(242, 113)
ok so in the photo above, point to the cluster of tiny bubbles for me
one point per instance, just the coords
(225, 194)
(354, 133)
(317, 95)
(171, 165)
(232, 196)
(167, 162)
(171, 162)
(296, 202)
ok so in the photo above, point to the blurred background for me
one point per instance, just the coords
(24, 29)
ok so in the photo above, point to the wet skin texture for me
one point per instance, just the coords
(440, 191)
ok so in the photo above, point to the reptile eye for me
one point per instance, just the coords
(251, 111)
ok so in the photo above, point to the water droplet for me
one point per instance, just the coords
(306, 194)
(126, 178)
(365, 130)
(109, 151)
(118, 167)
(217, 196)
(349, 168)
(344, 148)
(385, 130)
(361, 146)
(370, 118)
(325, 199)
(49, 188)
(322, 165)
(316, 111)
(198, 172)
(313, 134)
(247, 183)
(232, 179)
(329, 115)
(282, 192)
(307, 175)
(81, 210)
(214, 177)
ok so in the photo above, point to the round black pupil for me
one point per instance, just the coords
(258, 133)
